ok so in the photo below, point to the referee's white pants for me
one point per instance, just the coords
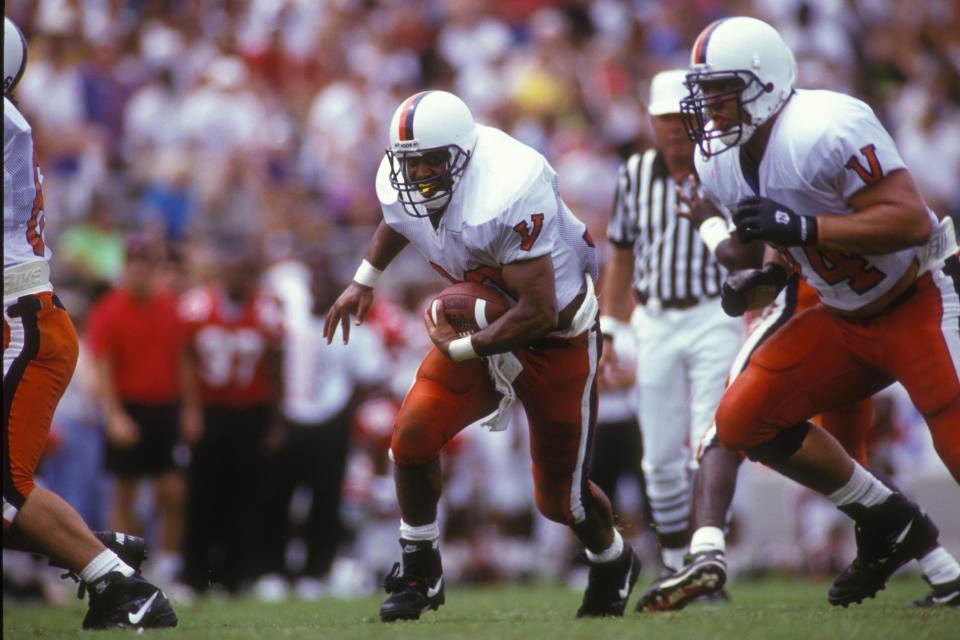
(683, 357)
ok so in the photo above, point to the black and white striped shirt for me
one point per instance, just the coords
(672, 264)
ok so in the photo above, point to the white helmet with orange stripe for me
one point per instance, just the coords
(436, 128)
(14, 54)
(741, 59)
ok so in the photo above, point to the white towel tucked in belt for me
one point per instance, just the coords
(505, 367)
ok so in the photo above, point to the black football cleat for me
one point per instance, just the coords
(888, 536)
(609, 585)
(132, 550)
(118, 602)
(703, 576)
(941, 595)
(418, 587)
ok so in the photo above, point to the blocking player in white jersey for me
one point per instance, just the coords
(482, 207)
(39, 355)
(815, 175)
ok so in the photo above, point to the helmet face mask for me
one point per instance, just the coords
(432, 138)
(423, 196)
(711, 92)
(735, 61)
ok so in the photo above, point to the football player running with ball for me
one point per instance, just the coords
(482, 207)
(833, 200)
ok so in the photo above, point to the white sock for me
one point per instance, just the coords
(426, 533)
(939, 566)
(673, 558)
(708, 539)
(103, 564)
(861, 488)
(611, 553)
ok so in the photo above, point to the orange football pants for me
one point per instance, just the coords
(820, 361)
(39, 355)
(558, 391)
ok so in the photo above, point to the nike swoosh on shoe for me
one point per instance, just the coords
(625, 589)
(435, 589)
(135, 618)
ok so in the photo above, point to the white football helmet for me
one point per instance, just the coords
(750, 56)
(14, 54)
(424, 122)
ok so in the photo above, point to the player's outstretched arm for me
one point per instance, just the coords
(358, 296)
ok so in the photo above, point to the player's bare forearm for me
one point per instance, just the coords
(888, 216)
(384, 246)
(532, 283)
(615, 296)
(358, 296)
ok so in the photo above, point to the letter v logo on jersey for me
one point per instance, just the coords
(874, 173)
(528, 237)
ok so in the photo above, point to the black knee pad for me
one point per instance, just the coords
(782, 446)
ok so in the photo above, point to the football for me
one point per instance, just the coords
(469, 306)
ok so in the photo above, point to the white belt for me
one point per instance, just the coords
(24, 279)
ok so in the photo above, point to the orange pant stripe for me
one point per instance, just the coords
(39, 355)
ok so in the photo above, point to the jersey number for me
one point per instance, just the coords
(874, 173)
(481, 275)
(528, 237)
(835, 267)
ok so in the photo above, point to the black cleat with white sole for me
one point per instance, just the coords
(941, 595)
(704, 574)
(119, 602)
(888, 536)
(609, 585)
(415, 585)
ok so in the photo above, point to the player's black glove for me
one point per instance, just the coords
(740, 288)
(765, 219)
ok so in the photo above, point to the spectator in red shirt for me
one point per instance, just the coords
(134, 337)
(231, 373)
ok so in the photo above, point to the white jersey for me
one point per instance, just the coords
(505, 208)
(824, 147)
(23, 221)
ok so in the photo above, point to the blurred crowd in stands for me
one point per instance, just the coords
(205, 143)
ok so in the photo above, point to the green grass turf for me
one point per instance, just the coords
(772, 608)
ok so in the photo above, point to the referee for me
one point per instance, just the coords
(685, 342)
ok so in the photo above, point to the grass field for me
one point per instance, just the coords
(769, 609)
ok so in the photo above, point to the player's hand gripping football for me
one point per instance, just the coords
(765, 219)
(751, 288)
(354, 301)
(441, 332)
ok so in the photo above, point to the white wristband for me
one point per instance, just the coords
(367, 274)
(713, 231)
(609, 325)
(462, 349)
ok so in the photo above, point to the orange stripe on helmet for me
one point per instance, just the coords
(406, 115)
(698, 55)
